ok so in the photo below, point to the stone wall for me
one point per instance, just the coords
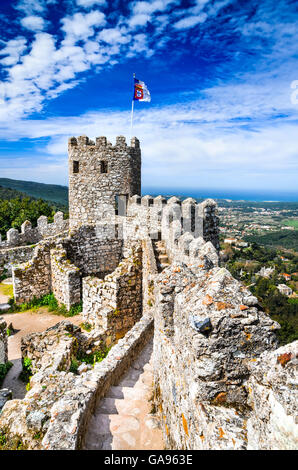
(273, 397)
(11, 256)
(32, 235)
(33, 279)
(208, 330)
(65, 278)
(3, 341)
(115, 302)
(98, 173)
(149, 273)
(53, 348)
(169, 219)
(94, 249)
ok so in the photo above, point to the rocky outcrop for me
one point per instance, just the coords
(208, 332)
(273, 397)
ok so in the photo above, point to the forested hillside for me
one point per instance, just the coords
(282, 238)
(49, 192)
(245, 264)
(16, 207)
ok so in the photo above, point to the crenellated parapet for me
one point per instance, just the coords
(31, 235)
(168, 219)
(102, 142)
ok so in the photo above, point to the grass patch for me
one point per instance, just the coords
(3, 274)
(6, 289)
(49, 301)
(27, 371)
(91, 359)
(291, 223)
(8, 442)
(86, 326)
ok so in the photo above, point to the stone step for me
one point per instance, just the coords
(95, 442)
(131, 407)
(121, 392)
(145, 378)
(116, 424)
(133, 374)
(164, 265)
(132, 384)
(122, 420)
(108, 406)
(163, 258)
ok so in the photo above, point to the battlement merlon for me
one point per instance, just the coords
(84, 141)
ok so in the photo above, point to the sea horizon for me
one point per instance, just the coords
(233, 195)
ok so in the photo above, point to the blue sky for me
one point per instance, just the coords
(222, 74)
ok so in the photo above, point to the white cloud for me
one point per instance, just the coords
(114, 36)
(13, 51)
(33, 23)
(190, 22)
(31, 6)
(46, 66)
(151, 7)
(140, 19)
(205, 142)
(90, 3)
(82, 26)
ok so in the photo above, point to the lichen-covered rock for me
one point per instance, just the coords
(200, 373)
(273, 398)
(52, 348)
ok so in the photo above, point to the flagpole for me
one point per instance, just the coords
(131, 119)
(132, 106)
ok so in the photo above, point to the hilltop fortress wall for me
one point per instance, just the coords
(219, 380)
(32, 235)
(19, 246)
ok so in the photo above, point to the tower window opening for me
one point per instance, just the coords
(121, 204)
(103, 166)
(76, 167)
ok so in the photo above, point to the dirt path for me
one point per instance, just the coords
(122, 420)
(3, 299)
(25, 323)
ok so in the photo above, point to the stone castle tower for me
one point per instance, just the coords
(100, 174)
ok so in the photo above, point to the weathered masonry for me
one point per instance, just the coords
(100, 174)
(144, 266)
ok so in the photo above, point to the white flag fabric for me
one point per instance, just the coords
(141, 92)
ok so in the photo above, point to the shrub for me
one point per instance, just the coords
(26, 373)
(4, 368)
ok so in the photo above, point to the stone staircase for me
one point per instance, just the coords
(123, 419)
(161, 256)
